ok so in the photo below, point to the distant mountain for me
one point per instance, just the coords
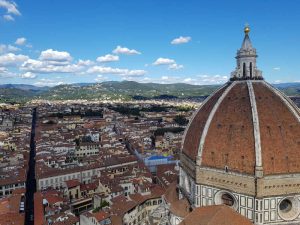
(23, 87)
(290, 89)
(110, 90)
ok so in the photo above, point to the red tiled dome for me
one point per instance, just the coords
(243, 125)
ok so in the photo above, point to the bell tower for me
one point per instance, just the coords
(246, 61)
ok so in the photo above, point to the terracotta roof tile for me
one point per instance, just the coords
(215, 215)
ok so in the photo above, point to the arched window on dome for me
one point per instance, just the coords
(251, 69)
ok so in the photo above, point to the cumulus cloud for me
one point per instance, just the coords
(8, 18)
(8, 48)
(108, 58)
(5, 73)
(12, 60)
(37, 66)
(11, 9)
(53, 55)
(125, 51)
(10, 6)
(181, 40)
(211, 79)
(20, 41)
(163, 61)
(194, 80)
(85, 62)
(115, 71)
(175, 66)
(28, 75)
(48, 82)
(100, 78)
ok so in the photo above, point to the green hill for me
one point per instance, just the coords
(124, 90)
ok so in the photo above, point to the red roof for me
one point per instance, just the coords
(38, 209)
(215, 215)
(72, 183)
(101, 215)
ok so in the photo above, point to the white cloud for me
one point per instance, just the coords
(100, 78)
(8, 48)
(85, 62)
(276, 68)
(194, 80)
(187, 80)
(175, 66)
(56, 56)
(164, 61)
(108, 58)
(20, 41)
(181, 40)
(10, 6)
(115, 71)
(37, 66)
(211, 79)
(125, 51)
(5, 73)
(11, 9)
(8, 18)
(28, 75)
(11, 59)
(48, 82)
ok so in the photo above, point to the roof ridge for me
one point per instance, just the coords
(198, 110)
(291, 106)
(256, 131)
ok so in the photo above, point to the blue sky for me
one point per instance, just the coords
(51, 42)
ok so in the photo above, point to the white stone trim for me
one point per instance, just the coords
(209, 169)
(197, 111)
(293, 108)
(208, 122)
(256, 131)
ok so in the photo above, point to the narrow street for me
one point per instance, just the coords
(31, 182)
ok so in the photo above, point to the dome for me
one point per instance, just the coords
(242, 148)
(243, 127)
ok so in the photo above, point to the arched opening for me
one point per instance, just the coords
(250, 69)
(244, 70)
(227, 199)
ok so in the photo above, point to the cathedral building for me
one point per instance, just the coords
(242, 148)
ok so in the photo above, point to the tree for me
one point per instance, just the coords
(181, 120)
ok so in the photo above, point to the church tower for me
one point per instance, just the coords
(246, 61)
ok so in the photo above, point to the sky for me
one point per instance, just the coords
(53, 42)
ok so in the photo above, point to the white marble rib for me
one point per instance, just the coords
(197, 111)
(286, 100)
(256, 128)
(208, 122)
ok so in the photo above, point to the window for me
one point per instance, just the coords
(285, 205)
(227, 199)
(226, 169)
